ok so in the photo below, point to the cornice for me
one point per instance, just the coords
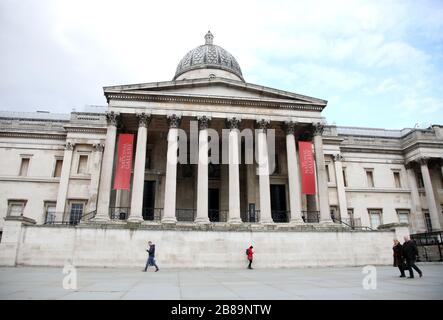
(36, 135)
(245, 102)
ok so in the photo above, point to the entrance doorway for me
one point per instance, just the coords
(148, 200)
(278, 203)
(214, 205)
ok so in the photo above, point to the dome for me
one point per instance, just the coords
(208, 56)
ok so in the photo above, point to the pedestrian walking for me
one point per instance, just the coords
(398, 257)
(151, 257)
(410, 253)
(250, 255)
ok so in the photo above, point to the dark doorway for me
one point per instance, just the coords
(148, 200)
(214, 205)
(278, 203)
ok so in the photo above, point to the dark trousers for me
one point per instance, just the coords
(250, 264)
(411, 264)
(151, 262)
(402, 270)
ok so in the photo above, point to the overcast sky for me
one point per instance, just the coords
(378, 63)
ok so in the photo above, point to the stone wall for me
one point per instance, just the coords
(124, 247)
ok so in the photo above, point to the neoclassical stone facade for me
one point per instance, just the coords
(59, 168)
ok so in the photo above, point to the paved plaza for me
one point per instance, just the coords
(306, 283)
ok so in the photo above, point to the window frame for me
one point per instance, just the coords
(24, 157)
(57, 158)
(12, 202)
(373, 211)
(404, 211)
(370, 173)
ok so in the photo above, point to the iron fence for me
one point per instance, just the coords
(185, 214)
(429, 245)
(119, 213)
(311, 216)
(152, 214)
(280, 216)
(69, 218)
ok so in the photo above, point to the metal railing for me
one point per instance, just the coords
(429, 245)
(185, 214)
(280, 216)
(216, 215)
(152, 214)
(252, 216)
(311, 216)
(70, 218)
(119, 213)
(352, 223)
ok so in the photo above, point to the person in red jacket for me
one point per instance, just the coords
(250, 254)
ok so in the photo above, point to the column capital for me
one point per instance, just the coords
(318, 129)
(423, 160)
(112, 118)
(98, 147)
(263, 124)
(203, 122)
(233, 123)
(143, 119)
(289, 127)
(174, 120)
(337, 157)
(69, 146)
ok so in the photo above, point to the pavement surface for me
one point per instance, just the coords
(220, 284)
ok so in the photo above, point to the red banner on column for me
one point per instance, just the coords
(307, 170)
(125, 146)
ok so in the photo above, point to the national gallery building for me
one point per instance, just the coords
(93, 187)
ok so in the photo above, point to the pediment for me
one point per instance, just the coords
(216, 88)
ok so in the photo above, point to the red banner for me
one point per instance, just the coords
(307, 169)
(125, 146)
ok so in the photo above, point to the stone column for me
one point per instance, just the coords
(138, 181)
(417, 218)
(234, 172)
(263, 172)
(293, 174)
(171, 170)
(95, 175)
(64, 180)
(430, 198)
(202, 178)
(104, 192)
(322, 187)
(340, 187)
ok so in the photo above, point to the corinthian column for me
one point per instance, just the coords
(234, 172)
(263, 172)
(417, 218)
(104, 192)
(139, 169)
(325, 216)
(64, 179)
(171, 170)
(430, 198)
(293, 174)
(202, 179)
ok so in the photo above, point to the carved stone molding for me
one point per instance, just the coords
(69, 146)
(112, 118)
(233, 123)
(337, 157)
(318, 129)
(203, 122)
(289, 127)
(99, 147)
(174, 121)
(143, 119)
(423, 160)
(263, 124)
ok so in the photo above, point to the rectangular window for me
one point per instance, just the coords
(16, 208)
(397, 180)
(334, 213)
(420, 180)
(50, 212)
(82, 164)
(345, 180)
(375, 218)
(58, 168)
(76, 213)
(327, 173)
(370, 178)
(24, 166)
(403, 216)
(428, 221)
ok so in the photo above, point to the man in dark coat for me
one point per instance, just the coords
(151, 258)
(410, 253)
(398, 257)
